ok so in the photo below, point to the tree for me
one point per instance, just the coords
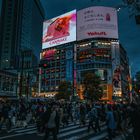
(64, 90)
(92, 85)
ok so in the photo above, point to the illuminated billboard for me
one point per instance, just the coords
(116, 69)
(102, 74)
(48, 54)
(97, 22)
(59, 30)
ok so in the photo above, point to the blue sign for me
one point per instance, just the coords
(69, 70)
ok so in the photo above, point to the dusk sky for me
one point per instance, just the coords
(129, 32)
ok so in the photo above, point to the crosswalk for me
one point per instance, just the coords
(70, 132)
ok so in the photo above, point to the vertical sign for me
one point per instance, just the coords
(109, 76)
(116, 70)
(69, 65)
(74, 80)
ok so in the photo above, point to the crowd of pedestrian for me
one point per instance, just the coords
(50, 116)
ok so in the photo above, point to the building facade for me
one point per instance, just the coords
(96, 49)
(8, 84)
(58, 66)
(21, 31)
(70, 62)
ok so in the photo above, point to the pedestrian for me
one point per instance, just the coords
(111, 125)
(91, 117)
(135, 120)
(82, 114)
(51, 123)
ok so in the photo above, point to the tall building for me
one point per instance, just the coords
(125, 70)
(96, 49)
(21, 28)
(21, 32)
(58, 66)
(137, 82)
(94, 56)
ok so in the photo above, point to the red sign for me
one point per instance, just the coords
(96, 33)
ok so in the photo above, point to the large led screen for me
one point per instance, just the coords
(97, 22)
(48, 54)
(59, 30)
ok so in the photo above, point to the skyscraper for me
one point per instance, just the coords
(21, 29)
(21, 24)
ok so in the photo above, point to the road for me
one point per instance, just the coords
(70, 132)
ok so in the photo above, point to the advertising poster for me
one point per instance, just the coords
(97, 22)
(109, 76)
(116, 69)
(69, 70)
(48, 54)
(59, 30)
(100, 73)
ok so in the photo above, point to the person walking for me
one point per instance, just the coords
(91, 117)
(82, 115)
(51, 122)
(135, 120)
(111, 125)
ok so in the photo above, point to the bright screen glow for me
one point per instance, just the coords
(97, 22)
(48, 54)
(59, 30)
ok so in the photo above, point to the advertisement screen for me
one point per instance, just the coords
(97, 22)
(116, 69)
(102, 74)
(48, 54)
(59, 30)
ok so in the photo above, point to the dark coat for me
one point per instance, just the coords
(45, 118)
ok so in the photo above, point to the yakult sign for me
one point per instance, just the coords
(97, 22)
(59, 30)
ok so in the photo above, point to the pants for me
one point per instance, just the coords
(97, 126)
(53, 131)
(91, 125)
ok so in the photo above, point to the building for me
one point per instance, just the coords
(96, 49)
(125, 71)
(95, 56)
(21, 31)
(136, 82)
(58, 66)
(8, 84)
(92, 56)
